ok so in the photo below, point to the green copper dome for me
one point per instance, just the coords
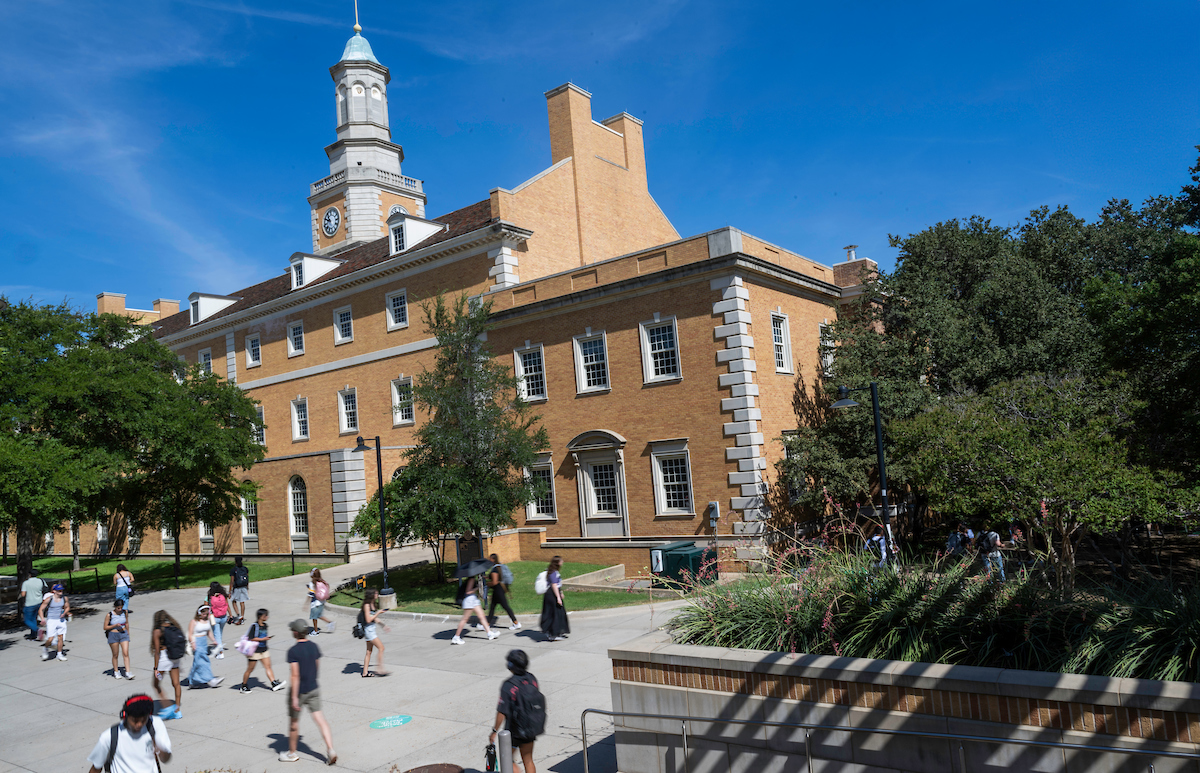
(358, 50)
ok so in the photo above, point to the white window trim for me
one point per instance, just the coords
(396, 420)
(648, 376)
(194, 308)
(260, 437)
(245, 515)
(519, 370)
(292, 508)
(544, 462)
(307, 419)
(824, 348)
(338, 338)
(788, 368)
(341, 408)
(584, 460)
(403, 245)
(388, 310)
(674, 449)
(292, 350)
(297, 273)
(211, 530)
(580, 377)
(200, 360)
(251, 363)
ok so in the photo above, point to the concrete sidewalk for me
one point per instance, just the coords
(53, 712)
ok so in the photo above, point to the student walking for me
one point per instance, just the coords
(522, 708)
(989, 543)
(116, 630)
(472, 606)
(499, 579)
(125, 747)
(367, 617)
(220, 615)
(258, 633)
(554, 611)
(239, 591)
(200, 632)
(123, 581)
(318, 593)
(33, 591)
(54, 614)
(304, 659)
(168, 646)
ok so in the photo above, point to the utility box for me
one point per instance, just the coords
(664, 564)
(691, 561)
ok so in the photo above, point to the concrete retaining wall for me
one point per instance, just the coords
(653, 675)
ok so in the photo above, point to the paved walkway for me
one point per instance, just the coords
(52, 712)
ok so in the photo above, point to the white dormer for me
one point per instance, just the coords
(304, 269)
(406, 231)
(204, 305)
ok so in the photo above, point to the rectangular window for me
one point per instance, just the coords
(297, 275)
(260, 429)
(660, 352)
(205, 360)
(672, 478)
(402, 402)
(398, 238)
(543, 506)
(604, 489)
(206, 529)
(827, 348)
(300, 419)
(348, 403)
(531, 372)
(295, 339)
(253, 351)
(783, 343)
(249, 518)
(343, 325)
(397, 310)
(299, 509)
(591, 362)
(195, 312)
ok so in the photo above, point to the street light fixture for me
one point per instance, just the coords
(386, 590)
(844, 401)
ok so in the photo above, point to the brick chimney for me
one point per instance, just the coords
(854, 270)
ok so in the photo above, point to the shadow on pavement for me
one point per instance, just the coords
(602, 758)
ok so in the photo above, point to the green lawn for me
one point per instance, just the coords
(417, 590)
(154, 574)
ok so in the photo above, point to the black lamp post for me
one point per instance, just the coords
(844, 401)
(386, 590)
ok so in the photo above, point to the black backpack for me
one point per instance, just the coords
(173, 641)
(984, 542)
(527, 719)
(114, 733)
(241, 577)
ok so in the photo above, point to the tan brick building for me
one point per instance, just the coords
(663, 366)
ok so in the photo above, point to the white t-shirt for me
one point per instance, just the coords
(134, 754)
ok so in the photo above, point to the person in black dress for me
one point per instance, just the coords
(554, 611)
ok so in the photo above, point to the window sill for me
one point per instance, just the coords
(295, 354)
(533, 400)
(541, 519)
(398, 424)
(394, 328)
(665, 380)
(586, 392)
(676, 516)
(252, 365)
(785, 372)
(605, 517)
(345, 432)
(343, 341)
(300, 440)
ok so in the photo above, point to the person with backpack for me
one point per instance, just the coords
(116, 631)
(219, 601)
(125, 748)
(304, 659)
(500, 579)
(53, 614)
(989, 544)
(33, 592)
(554, 612)
(471, 605)
(123, 580)
(522, 708)
(239, 589)
(168, 646)
(259, 634)
(368, 616)
(318, 594)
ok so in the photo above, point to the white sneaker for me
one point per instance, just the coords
(129, 675)
(277, 686)
(220, 656)
(515, 627)
(288, 757)
(116, 674)
(216, 681)
(46, 654)
(62, 657)
(456, 640)
(330, 628)
(493, 635)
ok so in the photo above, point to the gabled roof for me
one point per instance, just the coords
(458, 222)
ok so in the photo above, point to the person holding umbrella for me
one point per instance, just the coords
(471, 605)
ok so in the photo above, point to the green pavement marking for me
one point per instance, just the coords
(395, 721)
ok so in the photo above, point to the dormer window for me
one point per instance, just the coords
(298, 275)
(407, 231)
(398, 238)
(204, 305)
(309, 268)
(195, 312)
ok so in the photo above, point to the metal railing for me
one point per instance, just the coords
(809, 728)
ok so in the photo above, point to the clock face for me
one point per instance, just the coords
(331, 221)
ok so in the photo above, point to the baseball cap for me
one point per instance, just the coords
(58, 586)
(300, 626)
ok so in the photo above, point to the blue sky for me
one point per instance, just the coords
(162, 148)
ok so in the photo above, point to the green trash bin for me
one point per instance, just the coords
(693, 560)
(664, 565)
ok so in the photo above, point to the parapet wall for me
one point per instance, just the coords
(653, 675)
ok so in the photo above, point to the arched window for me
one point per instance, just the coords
(396, 474)
(298, 501)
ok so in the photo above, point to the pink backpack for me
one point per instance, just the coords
(321, 590)
(219, 606)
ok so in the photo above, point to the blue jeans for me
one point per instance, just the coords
(219, 631)
(201, 672)
(995, 564)
(29, 613)
(123, 595)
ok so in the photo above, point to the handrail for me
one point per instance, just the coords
(808, 727)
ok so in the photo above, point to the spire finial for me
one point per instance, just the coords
(357, 27)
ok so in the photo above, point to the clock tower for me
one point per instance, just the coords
(365, 186)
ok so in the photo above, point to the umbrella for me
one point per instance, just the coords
(472, 568)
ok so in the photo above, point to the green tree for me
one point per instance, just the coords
(468, 471)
